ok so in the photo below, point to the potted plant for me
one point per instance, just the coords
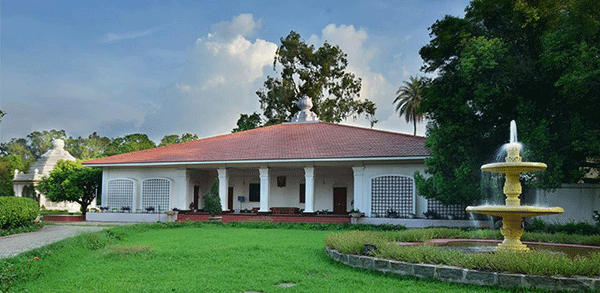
(355, 213)
(172, 215)
(212, 203)
(431, 214)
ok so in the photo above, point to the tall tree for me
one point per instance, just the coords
(174, 138)
(70, 181)
(94, 146)
(247, 122)
(532, 61)
(41, 142)
(129, 143)
(319, 73)
(408, 100)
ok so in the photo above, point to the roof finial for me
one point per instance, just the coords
(305, 114)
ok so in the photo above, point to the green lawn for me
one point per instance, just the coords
(208, 258)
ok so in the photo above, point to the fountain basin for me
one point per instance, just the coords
(514, 167)
(513, 211)
(488, 246)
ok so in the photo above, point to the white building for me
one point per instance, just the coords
(305, 164)
(41, 168)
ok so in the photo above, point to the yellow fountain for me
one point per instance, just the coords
(513, 213)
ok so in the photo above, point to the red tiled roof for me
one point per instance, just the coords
(282, 142)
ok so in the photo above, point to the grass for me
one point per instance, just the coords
(199, 257)
(536, 263)
(23, 229)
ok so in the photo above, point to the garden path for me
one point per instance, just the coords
(15, 244)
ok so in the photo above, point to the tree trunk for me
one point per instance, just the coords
(83, 208)
(415, 126)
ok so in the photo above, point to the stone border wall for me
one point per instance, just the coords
(465, 276)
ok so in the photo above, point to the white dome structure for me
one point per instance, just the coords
(41, 168)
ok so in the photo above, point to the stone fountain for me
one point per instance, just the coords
(513, 213)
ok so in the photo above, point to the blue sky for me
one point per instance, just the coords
(168, 67)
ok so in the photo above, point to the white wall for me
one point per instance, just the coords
(406, 170)
(178, 178)
(578, 200)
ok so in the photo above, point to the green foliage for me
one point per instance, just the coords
(247, 122)
(533, 62)
(174, 138)
(8, 165)
(129, 143)
(69, 181)
(580, 228)
(23, 229)
(212, 201)
(41, 142)
(319, 73)
(17, 212)
(94, 146)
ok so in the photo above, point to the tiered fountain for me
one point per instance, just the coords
(513, 213)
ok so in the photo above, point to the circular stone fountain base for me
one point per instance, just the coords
(466, 276)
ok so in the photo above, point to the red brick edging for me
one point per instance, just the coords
(64, 218)
(266, 218)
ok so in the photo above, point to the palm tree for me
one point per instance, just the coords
(408, 99)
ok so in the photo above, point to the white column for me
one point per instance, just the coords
(359, 196)
(309, 199)
(104, 195)
(223, 184)
(18, 189)
(181, 190)
(264, 189)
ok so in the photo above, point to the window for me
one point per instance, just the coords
(156, 193)
(119, 193)
(254, 192)
(302, 192)
(391, 196)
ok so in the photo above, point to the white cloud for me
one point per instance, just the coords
(223, 71)
(115, 37)
(243, 25)
(376, 87)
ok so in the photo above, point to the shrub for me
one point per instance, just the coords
(212, 202)
(17, 211)
(580, 228)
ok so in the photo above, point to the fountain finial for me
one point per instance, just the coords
(513, 148)
(513, 131)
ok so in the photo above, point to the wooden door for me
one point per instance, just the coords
(196, 196)
(339, 200)
(230, 199)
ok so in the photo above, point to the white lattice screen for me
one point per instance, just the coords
(391, 196)
(156, 193)
(120, 193)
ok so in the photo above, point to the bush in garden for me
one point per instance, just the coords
(212, 202)
(17, 211)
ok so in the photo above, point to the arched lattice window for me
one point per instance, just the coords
(392, 196)
(120, 193)
(156, 193)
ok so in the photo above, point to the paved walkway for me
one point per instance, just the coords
(12, 245)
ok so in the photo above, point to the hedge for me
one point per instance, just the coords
(17, 211)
